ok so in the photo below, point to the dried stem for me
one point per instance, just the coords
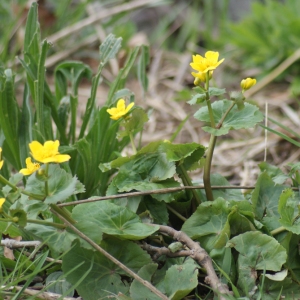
(159, 251)
(12, 244)
(201, 257)
(160, 191)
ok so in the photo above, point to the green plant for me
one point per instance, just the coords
(154, 235)
(280, 26)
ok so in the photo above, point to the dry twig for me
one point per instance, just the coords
(201, 257)
(43, 295)
(10, 243)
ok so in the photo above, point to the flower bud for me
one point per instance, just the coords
(247, 83)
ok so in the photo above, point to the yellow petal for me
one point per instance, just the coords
(129, 107)
(212, 55)
(197, 58)
(30, 167)
(57, 158)
(1, 164)
(247, 83)
(121, 105)
(2, 200)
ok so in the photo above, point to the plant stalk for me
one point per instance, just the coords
(14, 188)
(46, 223)
(210, 110)
(187, 182)
(63, 212)
(278, 230)
(225, 115)
(176, 213)
(132, 143)
(46, 182)
(207, 168)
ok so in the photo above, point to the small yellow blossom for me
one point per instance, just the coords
(30, 167)
(247, 83)
(201, 77)
(2, 200)
(48, 152)
(118, 112)
(204, 64)
(1, 161)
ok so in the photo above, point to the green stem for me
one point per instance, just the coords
(187, 182)
(41, 222)
(132, 143)
(14, 188)
(5, 181)
(278, 230)
(6, 220)
(46, 182)
(176, 213)
(207, 167)
(63, 212)
(210, 111)
(33, 196)
(225, 115)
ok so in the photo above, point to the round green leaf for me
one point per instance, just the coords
(61, 185)
(209, 224)
(112, 219)
(180, 280)
(257, 251)
(248, 117)
(289, 212)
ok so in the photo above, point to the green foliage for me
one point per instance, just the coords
(280, 27)
(113, 220)
(108, 279)
(248, 117)
(253, 239)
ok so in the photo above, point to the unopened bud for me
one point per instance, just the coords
(247, 83)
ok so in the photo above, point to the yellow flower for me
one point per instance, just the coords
(201, 77)
(247, 83)
(208, 63)
(118, 112)
(48, 152)
(30, 167)
(2, 200)
(1, 160)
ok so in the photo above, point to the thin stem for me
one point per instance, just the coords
(225, 115)
(207, 167)
(14, 188)
(210, 111)
(33, 196)
(278, 230)
(6, 220)
(63, 212)
(160, 191)
(46, 182)
(46, 223)
(176, 213)
(187, 182)
(5, 181)
(132, 143)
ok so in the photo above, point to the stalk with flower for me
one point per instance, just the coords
(217, 114)
(48, 182)
(132, 120)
